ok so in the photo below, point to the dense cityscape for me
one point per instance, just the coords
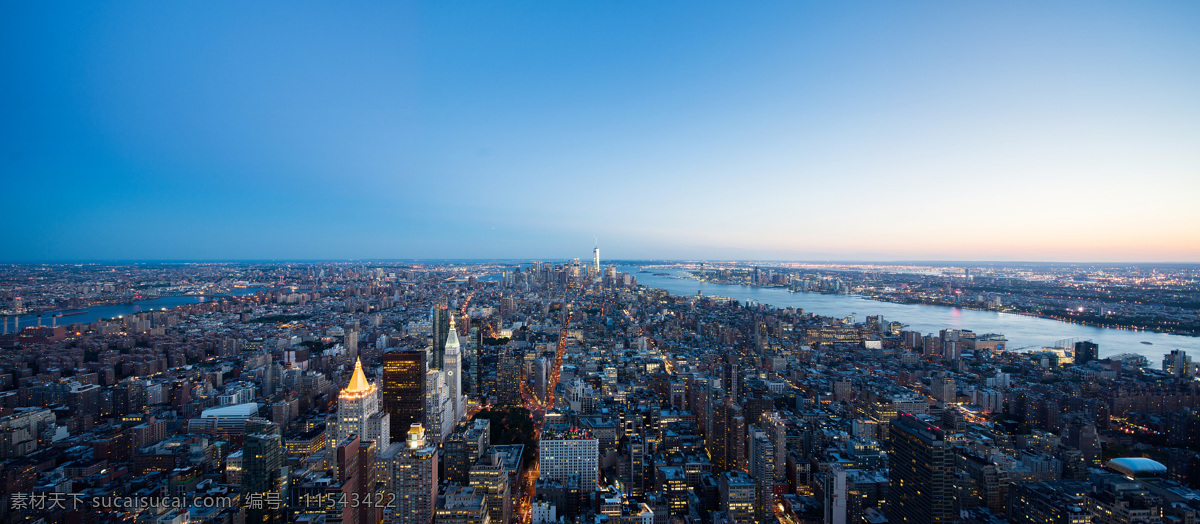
(541, 392)
(865, 262)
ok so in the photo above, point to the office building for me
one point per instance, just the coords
(1178, 364)
(1086, 351)
(404, 389)
(358, 410)
(726, 439)
(572, 452)
(921, 487)
(509, 376)
(411, 471)
(264, 472)
(440, 318)
(632, 466)
(464, 447)
(737, 496)
(489, 475)
(458, 504)
(355, 476)
(439, 410)
(1057, 502)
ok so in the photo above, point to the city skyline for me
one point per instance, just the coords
(879, 132)
(571, 393)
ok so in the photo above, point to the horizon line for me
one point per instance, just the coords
(611, 262)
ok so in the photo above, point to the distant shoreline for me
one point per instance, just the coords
(1065, 320)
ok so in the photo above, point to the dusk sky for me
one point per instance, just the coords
(1046, 131)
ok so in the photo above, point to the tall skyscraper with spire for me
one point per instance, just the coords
(358, 410)
(596, 257)
(453, 370)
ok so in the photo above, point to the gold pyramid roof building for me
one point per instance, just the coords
(358, 381)
(358, 410)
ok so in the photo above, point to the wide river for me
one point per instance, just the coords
(94, 313)
(1022, 332)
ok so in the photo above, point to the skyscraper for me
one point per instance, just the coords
(762, 468)
(263, 472)
(1177, 363)
(596, 258)
(730, 371)
(357, 404)
(464, 447)
(439, 415)
(725, 441)
(453, 371)
(440, 317)
(776, 430)
(350, 340)
(411, 469)
(632, 468)
(508, 377)
(1085, 351)
(921, 480)
(836, 495)
(356, 475)
(538, 376)
(490, 475)
(404, 389)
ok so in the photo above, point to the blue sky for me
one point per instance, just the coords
(790, 130)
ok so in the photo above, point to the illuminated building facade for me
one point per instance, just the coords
(725, 446)
(358, 410)
(490, 475)
(404, 388)
(921, 484)
(737, 495)
(462, 505)
(411, 471)
(572, 452)
(1177, 363)
(453, 371)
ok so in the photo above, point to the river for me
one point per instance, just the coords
(94, 313)
(1022, 332)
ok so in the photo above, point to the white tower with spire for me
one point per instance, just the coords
(596, 256)
(453, 369)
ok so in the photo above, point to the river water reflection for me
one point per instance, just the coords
(1022, 332)
(94, 313)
